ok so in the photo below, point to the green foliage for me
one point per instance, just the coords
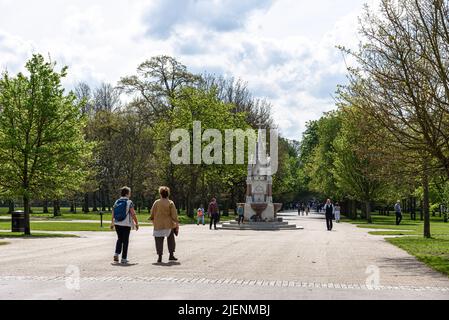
(319, 163)
(42, 146)
(287, 188)
(354, 162)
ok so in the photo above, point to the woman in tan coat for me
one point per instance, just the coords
(165, 220)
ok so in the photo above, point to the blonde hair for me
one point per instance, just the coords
(164, 192)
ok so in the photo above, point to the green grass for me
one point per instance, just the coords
(61, 226)
(9, 235)
(391, 233)
(46, 222)
(37, 215)
(434, 252)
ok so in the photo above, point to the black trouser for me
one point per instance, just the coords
(398, 218)
(170, 241)
(241, 219)
(122, 241)
(329, 222)
(213, 220)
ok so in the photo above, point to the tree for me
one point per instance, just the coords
(319, 168)
(402, 76)
(42, 146)
(106, 98)
(355, 160)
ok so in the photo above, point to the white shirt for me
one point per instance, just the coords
(128, 222)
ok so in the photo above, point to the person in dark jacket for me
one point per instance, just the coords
(398, 211)
(214, 213)
(329, 211)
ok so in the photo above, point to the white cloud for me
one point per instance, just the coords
(284, 49)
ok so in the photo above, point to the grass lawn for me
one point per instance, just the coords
(37, 215)
(17, 235)
(61, 226)
(434, 252)
(46, 222)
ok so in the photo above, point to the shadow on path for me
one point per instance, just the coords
(124, 265)
(167, 264)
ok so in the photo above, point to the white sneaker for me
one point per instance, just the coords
(124, 261)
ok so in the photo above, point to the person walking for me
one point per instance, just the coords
(166, 224)
(123, 220)
(213, 213)
(337, 211)
(398, 211)
(200, 216)
(307, 209)
(241, 213)
(329, 211)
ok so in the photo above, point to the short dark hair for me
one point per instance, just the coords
(164, 192)
(125, 191)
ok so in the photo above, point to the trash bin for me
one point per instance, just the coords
(18, 221)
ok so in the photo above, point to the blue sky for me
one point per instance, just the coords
(284, 49)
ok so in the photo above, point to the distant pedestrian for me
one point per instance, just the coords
(308, 210)
(329, 211)
(241, 214)
(398, 211)
(123, 220)
(166, 224)
(214, 213)
(200, 215)
(337, 210)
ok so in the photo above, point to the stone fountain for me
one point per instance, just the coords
(260, 210)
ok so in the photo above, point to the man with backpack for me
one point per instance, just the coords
(329, 211)
(123, 220)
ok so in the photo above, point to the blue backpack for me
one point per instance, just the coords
(120, 210)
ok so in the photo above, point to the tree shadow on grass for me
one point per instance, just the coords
(414, 266)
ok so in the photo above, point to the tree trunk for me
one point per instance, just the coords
(103, 201)
(26, 206)
(368, 212)
(72, 206)
(94, 202)
(11, 206)
(86, 203)
(426, 203)
(45, 207)
(56, 209)
(354, 209)
(363, 211)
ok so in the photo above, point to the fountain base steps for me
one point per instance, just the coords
(260, 226)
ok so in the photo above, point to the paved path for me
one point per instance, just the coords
(307, 264)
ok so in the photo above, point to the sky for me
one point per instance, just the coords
(284, 49)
